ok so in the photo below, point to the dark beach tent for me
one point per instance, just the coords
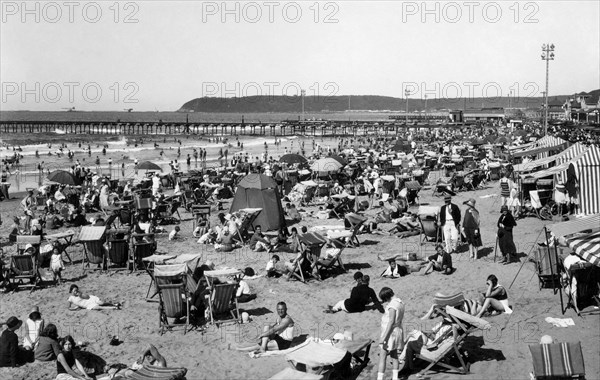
(292, 158)
(260, 191)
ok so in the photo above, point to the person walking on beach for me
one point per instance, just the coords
(391, 340)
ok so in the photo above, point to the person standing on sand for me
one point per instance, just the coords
(392, 335)
(471, 228)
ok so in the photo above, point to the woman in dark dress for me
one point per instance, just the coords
(471, 228)
(506, 223)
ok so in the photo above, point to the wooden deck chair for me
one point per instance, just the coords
(449, 345)
(332, 262)
(354, 222)
(223, 301)
(24, 267)
(118, 254)
(93, 238)
(23, 240)
(141, 249)
(547, 270)
(430, 230)
(557, 361)
(125, 216)
(455, 300)
(250, 215)
(359, 349)
(318, 358)
(173, 304)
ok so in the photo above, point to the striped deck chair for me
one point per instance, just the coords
(557, 361)
(548, 271)
(118, 254)
(430, 230)
(223, 301)
(449, 345)
(150, 372)
(93, 239)
(354, 222)
(24, 267)
(173, 305)
(142, 249)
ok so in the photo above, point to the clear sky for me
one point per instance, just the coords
(156, 55)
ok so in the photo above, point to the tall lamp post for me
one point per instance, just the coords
(302, 93)
(547, 55)
(406, 93)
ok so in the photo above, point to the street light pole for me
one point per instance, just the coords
(406, 93)
(547, 55)
(302, 93)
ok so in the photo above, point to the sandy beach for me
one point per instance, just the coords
(499, 353)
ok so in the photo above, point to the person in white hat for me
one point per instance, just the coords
(33, 327)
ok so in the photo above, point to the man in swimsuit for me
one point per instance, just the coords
(277, 336)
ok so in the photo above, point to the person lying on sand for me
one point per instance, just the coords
(149, 354)
(79, 300)
(277, 336)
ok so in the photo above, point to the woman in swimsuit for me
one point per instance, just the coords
(495, 297)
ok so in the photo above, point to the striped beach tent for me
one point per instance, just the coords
(587, 246)
(585, 171)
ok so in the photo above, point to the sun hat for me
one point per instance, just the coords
(245, 317)
(470, 202)
(35, 313)
(13, 322)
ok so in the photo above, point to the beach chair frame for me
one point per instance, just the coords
(24, 267)
(173, 304)
(558, 361)
(94, 253)
(118, 254)
(328, 265)
(430, 229)
(355, 221)
(450, 346)
(222, 300)
(23, 240)
(547, 268)
(141, 249)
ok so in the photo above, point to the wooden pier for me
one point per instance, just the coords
(285, 128)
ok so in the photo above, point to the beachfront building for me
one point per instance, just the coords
(583, 108)
(442, 116)
(484, 114)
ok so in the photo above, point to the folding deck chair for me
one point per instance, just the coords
(93, 240)
(359, 349)
(292, 374)
(173, 304)
(331, 263)
(557, 361)
(24, 267)
(320, 359)
(354, 222)
(450, 346)
(250, 215)
(222, 299)
(118, 254)
(548, 270)
(142, 249)
(23, 240)
(311, 244)
(431, 231)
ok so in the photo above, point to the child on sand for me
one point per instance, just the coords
(57, 265)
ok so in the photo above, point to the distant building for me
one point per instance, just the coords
(484, 114)
(582, 108)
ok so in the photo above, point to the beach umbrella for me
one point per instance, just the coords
(293, 158)
(339, 159)
(147, 165)
(63, 177)
(476, 142)
(326, 165)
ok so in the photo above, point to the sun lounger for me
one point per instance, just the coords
(557, 361)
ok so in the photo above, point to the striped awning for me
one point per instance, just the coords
(562, 157)
(573, 226)
(587, 246)
(562, 165)
(587, 170)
